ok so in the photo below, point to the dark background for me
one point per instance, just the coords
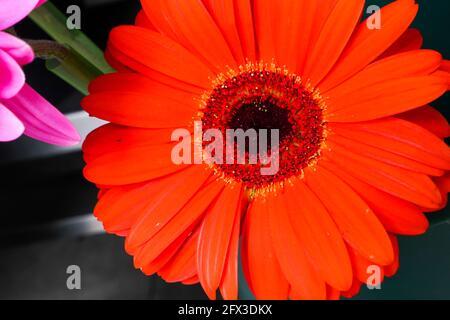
(45, 222)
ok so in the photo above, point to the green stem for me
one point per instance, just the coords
(74, 71)
(53, 21)
(66, 64)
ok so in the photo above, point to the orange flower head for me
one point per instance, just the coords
(361, 152)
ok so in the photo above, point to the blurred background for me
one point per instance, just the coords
(46, 222)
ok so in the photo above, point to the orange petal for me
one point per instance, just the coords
(162, 209)
(161, 54)
(288, 22)
(152, 267)
(385, 99)
(134, 82)
(126, 64)
(157, 13)
(397, 215)
(356, 222)
(120, 207)
(297, 26)
(410, 40)
(414, 187)
(400, 137)
(303, 278)
(196, 25)
(101, 192)
(354, 290)
(392, 269)
(229, 284)
(265, 28)
(408, 64)
(223, 13)
(332, 40)
(133, 99)
(196, 30)
(361, 268)
(116, 64)
(182, 266)
(138, 110)
(313, 16)
(319, 236)
(333, 294)
(245, 28)
(113, 138)
(263, 271)
(444, 75)
(191, 281)
(143, 21)
(388, 157)
(366, 44)
(428, 118)
(445, 66)
(214, 240)
(443, 183)
(131, 165)
(184, 220)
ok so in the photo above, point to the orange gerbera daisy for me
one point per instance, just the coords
(362, 155)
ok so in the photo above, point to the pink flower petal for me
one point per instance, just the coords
(10, 127)
(12, 11)
(18, 49)
(42, 120)
(12, 77)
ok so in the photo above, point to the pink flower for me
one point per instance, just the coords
(23, 110)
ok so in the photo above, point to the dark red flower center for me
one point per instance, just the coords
(262, 113)
(265, 97)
